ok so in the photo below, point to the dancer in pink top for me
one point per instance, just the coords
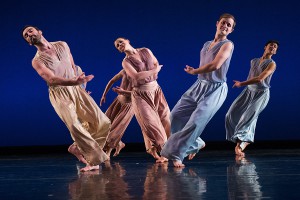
(148, 101)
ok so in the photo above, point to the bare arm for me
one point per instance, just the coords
(270, 69)
(53, 80)
(220, 58)
(139, 75)
(114, 79)
(121, 91)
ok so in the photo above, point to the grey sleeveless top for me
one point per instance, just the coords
(256, 69)
(207, 56)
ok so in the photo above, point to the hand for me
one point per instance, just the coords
(236, 84)
(158, 68)
(102, 101)
(89, 92)
(189, 69)
(83, 79)
(118, 90)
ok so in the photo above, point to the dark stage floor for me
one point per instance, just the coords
(212, 174)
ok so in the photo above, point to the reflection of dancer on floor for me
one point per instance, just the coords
(203, 99)
(95, 185)
(53, 61)
(243, 180)
(241, 118)
(148, 101)
(120, 112)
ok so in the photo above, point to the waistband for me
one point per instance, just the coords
(147, 86)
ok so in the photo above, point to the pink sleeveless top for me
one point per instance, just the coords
(145, 65)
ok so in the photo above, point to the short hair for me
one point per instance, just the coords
(227, 15)
(120, 38)
(272, 41)
(26, 26)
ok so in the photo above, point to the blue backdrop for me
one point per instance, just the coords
(174, 30)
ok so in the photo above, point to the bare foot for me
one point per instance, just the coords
(73, 149)
(120, 146)
(108, 151)
(161, 160)
(153, 152)
(89, 168)
(191, 156)
(178, 163)
(107, 164)
(239, 152)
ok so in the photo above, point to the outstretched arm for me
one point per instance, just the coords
(270, 69)
(220, 58)
(53, 80)
(114, 79)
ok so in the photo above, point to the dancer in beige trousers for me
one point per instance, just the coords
(53, 61)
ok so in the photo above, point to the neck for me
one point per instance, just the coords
(130, 52)
(43, 45)
(266, 56)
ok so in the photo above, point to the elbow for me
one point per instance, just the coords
(51, 83)
(214, 67)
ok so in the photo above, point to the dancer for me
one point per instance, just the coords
(241, 118)
(148, 101)
(120, 112)
(204, 98)
(53, 61)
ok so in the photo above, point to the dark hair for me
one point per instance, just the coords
(26, 26)
(227, 15)
(272, 41)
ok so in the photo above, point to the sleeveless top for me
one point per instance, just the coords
(60, 64)
(256, 69)
(207, 56)
(145, 65)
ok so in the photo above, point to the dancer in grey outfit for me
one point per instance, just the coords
(241, 118)
(203, 99)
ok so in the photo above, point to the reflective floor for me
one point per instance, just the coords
(263, 174)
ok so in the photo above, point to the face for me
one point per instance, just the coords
(225, 26)
(271, 48)
(121, 44)
(32, 36)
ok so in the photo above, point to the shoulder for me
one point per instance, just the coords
(272, 64)
(273, 61)
(207, 43)
(227, 46)
(229, 43)
(61, 43)
(144, 49)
